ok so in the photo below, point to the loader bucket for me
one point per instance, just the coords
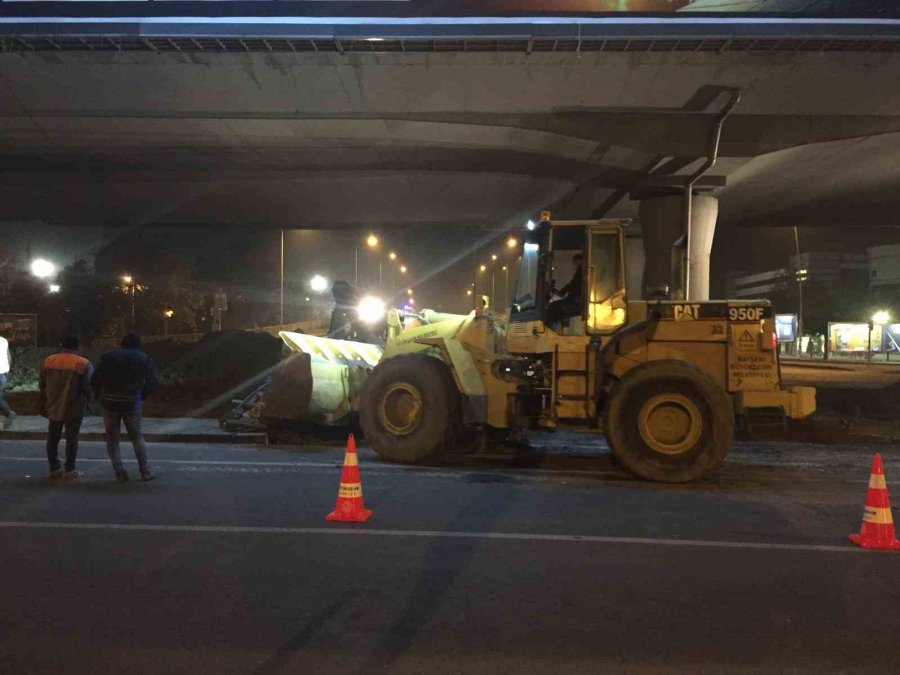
(320, 381)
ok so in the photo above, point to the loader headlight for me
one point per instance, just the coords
(370, 309)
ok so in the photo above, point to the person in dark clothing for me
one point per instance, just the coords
(346, 299)
(572, 296)
(64, 393)
(122, 381)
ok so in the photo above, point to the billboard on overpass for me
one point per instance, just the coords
(832, 9)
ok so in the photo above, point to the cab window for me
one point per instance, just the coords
(606, 286)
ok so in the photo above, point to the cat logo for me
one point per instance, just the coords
(746, 341)
(686, 312)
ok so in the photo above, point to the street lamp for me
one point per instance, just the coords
(512, 242)
(392, 255)
(372, 241)
(53, 288)
(482, 268)
(168, 313)
(409, 291)
(42, 269)
(318, 283)
(505, 269)
(402, 269)
(130, 284)
(493, 256)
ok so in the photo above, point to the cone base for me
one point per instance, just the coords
(875, 545)
(359, 517)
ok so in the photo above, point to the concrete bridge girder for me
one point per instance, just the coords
(373, 139)
(331, 83)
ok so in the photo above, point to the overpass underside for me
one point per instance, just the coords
(261, 129)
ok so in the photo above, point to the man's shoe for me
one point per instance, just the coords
(122, 477)
(55, 473)
(69, 475)
(147, 476)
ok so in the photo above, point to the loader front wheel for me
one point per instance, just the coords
(669, 421)
(409, 408)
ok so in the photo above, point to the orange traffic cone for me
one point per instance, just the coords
(350, 507)
(877, 524)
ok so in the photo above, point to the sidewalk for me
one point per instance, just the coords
(156, 429)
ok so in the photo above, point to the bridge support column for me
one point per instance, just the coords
(661, 224)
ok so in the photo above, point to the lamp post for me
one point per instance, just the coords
(506, 288)
(281, 284)
(801, 277)
(168, 313)
(372, 241)
(130, 285)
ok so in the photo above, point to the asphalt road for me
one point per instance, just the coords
(226, 565)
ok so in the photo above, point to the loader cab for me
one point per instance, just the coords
(572, 277)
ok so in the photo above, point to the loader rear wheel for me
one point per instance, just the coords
(409, 408)
(669, 421)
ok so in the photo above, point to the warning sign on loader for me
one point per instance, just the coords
(749, 368)
(746, 341)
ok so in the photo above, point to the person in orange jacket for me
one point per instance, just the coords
(65, 392)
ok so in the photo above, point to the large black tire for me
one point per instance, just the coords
(409, 409)
(668, 421)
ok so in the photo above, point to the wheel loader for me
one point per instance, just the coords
(662, 379)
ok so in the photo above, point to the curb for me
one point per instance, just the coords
(240, 439)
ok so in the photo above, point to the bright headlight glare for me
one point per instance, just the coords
(371, 309)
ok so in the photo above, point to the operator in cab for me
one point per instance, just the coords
(572, 296)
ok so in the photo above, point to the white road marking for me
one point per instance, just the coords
(450, 471)
(435, 534)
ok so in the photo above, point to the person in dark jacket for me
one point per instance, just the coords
(122, 381)
(64, 393)
(570, 304)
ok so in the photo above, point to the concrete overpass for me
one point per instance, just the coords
(316, 121)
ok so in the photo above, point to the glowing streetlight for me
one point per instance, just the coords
(468, 291)
(392, 255)
(42, 269)
(411, 301)
(402, 269)
(372, 241)
(512, 242)
(530, 225)
(318, 283)
(409, 291)
(53, 288)
(127, 278)
(881, 317)
(493, 256)
(168, 312)
(483, 268)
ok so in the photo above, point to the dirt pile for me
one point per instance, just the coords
(196, 380)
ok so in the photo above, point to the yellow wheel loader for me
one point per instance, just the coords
(662, 379)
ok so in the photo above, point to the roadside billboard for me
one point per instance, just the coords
(19, 329)
(853, 338)
(786, 327)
